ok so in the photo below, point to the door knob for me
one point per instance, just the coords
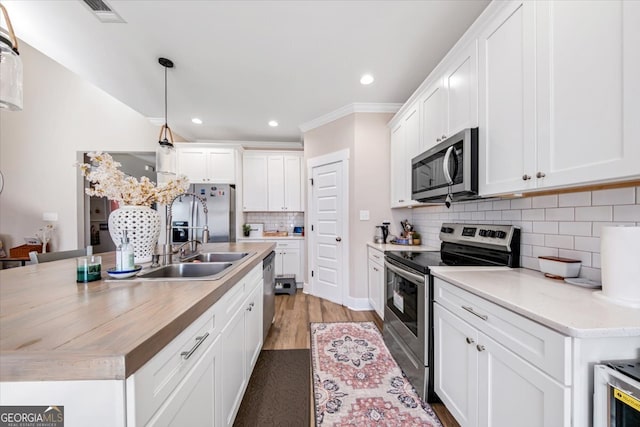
(338, 239)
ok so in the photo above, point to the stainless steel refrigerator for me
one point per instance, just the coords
(188, 215)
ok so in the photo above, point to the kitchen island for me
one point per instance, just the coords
(59, 334)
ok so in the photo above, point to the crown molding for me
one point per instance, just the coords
(357, 107)
(250, 145)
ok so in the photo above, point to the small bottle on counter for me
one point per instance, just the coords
(128, 263)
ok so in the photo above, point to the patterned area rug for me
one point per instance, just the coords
(356, 382)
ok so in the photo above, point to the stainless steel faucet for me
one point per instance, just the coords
(168, 248)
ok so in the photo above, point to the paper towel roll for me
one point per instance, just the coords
(620, 264)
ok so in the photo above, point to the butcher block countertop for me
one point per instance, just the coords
(52, 328)
(569, 309)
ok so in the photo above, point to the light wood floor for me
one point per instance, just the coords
(291, 329)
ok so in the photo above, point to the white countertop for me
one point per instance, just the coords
(569, 309)
(391, 247)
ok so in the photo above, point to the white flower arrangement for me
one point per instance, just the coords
(44, 235)
(110, 182)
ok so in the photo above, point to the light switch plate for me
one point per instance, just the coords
(364, 215)
(50, 216)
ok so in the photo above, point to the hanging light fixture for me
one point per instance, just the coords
(10, 67)
(166, 153)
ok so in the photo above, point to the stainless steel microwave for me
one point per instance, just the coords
(447, 171)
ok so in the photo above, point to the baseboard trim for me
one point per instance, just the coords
(358, 304)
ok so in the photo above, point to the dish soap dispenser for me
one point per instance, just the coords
(126, 251)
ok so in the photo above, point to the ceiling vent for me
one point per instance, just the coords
(103, 11)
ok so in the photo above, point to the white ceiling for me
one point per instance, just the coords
(239, 64)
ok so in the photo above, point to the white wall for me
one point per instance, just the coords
(566, 225)
(63, 114)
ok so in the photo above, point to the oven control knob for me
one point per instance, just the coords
(501, 234)
(491, 233)
(483, 233)
(446, 230)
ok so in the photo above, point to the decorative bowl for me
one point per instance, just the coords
(112, 272)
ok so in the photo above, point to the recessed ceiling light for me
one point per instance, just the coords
(197, 121)
(366, 79)
(273, 123)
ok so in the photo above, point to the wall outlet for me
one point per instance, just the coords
(364, 215)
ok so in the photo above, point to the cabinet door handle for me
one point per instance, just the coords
(540, 175)
(375, 269)
(338, 239)
(401, 201)
(444, 137)
(480, 347)
(438, 140)
(470, 310)
(526, 177)
(199, 341)
(470, 340)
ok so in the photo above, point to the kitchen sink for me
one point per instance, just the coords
(188, 270)
(216, 257)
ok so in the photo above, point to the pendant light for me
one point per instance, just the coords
(10, 67)
(166, 153)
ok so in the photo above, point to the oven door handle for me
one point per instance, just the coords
(417, 279)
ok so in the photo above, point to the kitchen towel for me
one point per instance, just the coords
(620, 266)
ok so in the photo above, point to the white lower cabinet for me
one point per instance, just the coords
(376, 280)
(200, 377)
(484, 381)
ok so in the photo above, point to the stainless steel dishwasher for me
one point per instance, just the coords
(269, 309)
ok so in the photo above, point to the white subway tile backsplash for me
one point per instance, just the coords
(559, 214)
(557, 241)
(514, 215)
(524, 203)
(493, 215)
(614, 196)
(533, 215)
(545, 202)
(596, 213)
(529, 262)
(626, 213)
(485, 206)
(477, 216)
(567, 225)
(574, 199)
(545, 227)
(532, 239)
(591, 244)
(537, 251)
(500, 205)
(575, 228)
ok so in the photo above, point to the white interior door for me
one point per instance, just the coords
(328, 241)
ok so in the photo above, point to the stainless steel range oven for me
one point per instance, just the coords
(408, 320)
(616, 394)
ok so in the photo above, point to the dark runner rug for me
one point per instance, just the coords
(356, 381)
(278, 393)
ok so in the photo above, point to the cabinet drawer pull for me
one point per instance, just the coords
(480, 347)
(199, 341)
(470, 340)
(526, 177)
(540, 175)
(470, 310)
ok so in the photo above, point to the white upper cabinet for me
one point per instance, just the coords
(254, 182)
(272, 182)
(203, 164)
(558, 95)
(450, 103)
(506, 82)
(587, 70)
(460, 83)
(405, 144)
(433, 116)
